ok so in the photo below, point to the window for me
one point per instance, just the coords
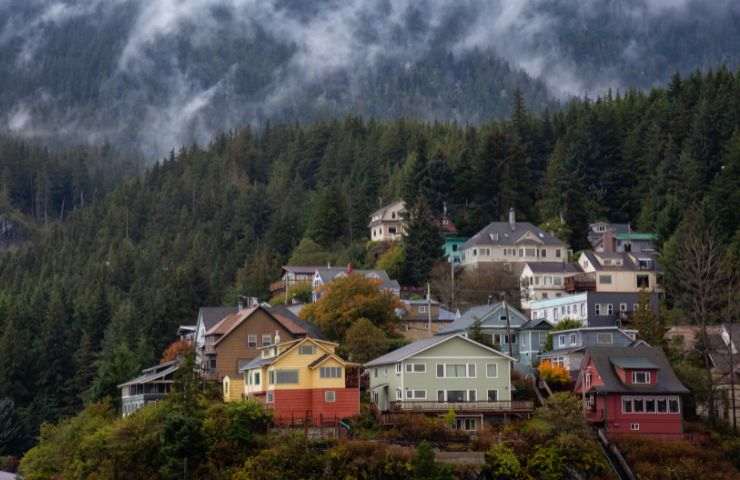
(375, 372)
(422, 309)
(251, 340)
(392, 230)
(416, 394)
(270, 397)
(466, 423)
(330, 396)
(529, 252)
(605, 279)
(638, 405)
(496, 339)
(521, 252)
(643, 281)
(472, 395)
(561, 340)
(330, 372)
(306, 350)
(627, 405)
(491, 370)
(587, 380)
(543, 253)
(583, 309)
(440, 395)
(416, 367)
(266, 340)
(376, 397)
(471, 370)
(557, 253)
(456, 395)
(557, 281)
(399, 394)
(610, 309)
(212, 363)
(644, 263)
(256, 378)
(286, 377)
(475, 252)
(597, 309)
(604, 338)
(440, 370)
(641, 377)
(635, 307)
(650, 405)
(673, 405)
(398, 369)
(455, 370)
(494, 237)
(572, 338)
(635, 427)
(493, 395)
(271, 377)
(622, 307)
(662, 405)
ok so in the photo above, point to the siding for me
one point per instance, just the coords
(292, 405)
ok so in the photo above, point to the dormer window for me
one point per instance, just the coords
(641, 377)
(306, 350)
(494, 236)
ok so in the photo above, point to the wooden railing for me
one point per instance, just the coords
(432, 406)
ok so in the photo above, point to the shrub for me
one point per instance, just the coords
(368, 460)
(546, 464)
(417, 428)
(291, 456)
(502, 464)
(553, 374)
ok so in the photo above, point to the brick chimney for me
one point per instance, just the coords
(607, 240)
(512, 219)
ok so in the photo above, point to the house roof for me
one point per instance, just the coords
(629, 261)
(489, 316)
(151, 374)
(283, 316)
(419, 346)
(553, 267)
(304, 269)
(501, 233)
(604, 359)
(633, 362)
(212, 315)
(385, 210)
(327, 274)
(537, 324)
(286, 314)
(260, 362)
(636, 236)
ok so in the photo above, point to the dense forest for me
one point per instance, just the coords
(99, 294)
(148, 77)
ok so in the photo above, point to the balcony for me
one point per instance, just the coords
(583, 282)
(511, 406)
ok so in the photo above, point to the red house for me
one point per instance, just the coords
(631, 390)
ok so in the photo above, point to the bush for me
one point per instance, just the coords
(368, 460)
(502, 464)
(9, 464)
(418, 428)
(553, 374)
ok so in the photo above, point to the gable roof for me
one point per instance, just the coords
(501, 233)
(419, 346)
(489, 316)
(259, 362)
(537, 324)
(629, 261)
(604, 359)
(158, 372)
(293, 324)
(385, 209)
(212, 315)
(303, 269)
(327, 274)
(553, 267)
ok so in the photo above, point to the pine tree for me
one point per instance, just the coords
(422, 244)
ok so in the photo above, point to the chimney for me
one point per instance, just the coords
(607, 241)
(241, 303)
(512, 219)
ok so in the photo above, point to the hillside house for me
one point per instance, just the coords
(235, 340)
(388, 224)
(592, 309)
(568, 346)
(422, 317)
(151, 386)
(512, 244)
(443, 373)
(326, 275)
(617, 272)
(207, 318)
(631, 391)
(292, 276)
(619, 237)
(301, 381)
(543, 280)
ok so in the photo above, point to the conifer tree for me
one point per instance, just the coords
(422, 244)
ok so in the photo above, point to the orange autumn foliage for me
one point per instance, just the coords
(176, 349)
(553, 373)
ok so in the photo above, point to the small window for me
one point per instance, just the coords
(635, 427)
(270, 397)
(610, 309)
(375, 372)
(496, 339)
(643, 281)
(622, 307)
(597, 309)
(639, 405)
(572, 338)
(330, 372)
(673, 405)
(605, 279)
(543, 253)
(662, 405)
(557, 253)
(256, 378)
(398, 369)
(251, 340)
(641, 377)
(588, 379)
(330, 396)
(627, 405)
(561, 340)
(493, 395)
(416, 368)
(266, 340)
(440, 395)
(650, 405)
(306, 350)
(440, 370)
(491, 370)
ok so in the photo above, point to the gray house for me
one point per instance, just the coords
(532, 339)
(493, 323)
(443, 373)
(151, 386)
(569, 346)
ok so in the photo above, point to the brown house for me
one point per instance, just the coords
(236, 339)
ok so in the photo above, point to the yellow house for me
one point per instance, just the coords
(302, 379)
(232, 388)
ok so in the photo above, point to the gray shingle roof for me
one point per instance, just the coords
(489, 315)
(501, 233)
(633, 362)
(554, 267)
(537, 324)
(604, 359)
(629, 261)
(420, 345)
(212, 315)
(328, 274)
(256, 363)
(159, 372)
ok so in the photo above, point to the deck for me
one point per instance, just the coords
(498, 407)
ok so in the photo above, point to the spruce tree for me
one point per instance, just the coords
(422, 244)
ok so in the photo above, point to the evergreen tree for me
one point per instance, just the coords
(422, 244)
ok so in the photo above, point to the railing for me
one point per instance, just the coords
(580, 283)
(432, 406)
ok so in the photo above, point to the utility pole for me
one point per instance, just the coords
(429, 308)
(508, 326)
(731, 312)
(452, 283)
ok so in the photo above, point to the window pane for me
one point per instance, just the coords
(673, 405)
(471, 370)
(472, 394)
(286, 376)
(493, 395)
(440, 395)
(492, 370)
(650, 405)
(662, 405)
(627, 405)
(639, 405)
(419, 367)
(456, 395)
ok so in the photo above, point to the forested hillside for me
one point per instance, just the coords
(155, 75)
(97, 297)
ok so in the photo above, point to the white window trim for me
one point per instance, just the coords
(270, 397)
(467, 370)
(399, 368)
(413, 393)
(492, 390)
(648, 377)
(250, 342)
(634, 427)
(495, 365)
(655, 398)
(333, 395)
(410, 368)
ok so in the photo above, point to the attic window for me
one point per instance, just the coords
(306, 350)
(640, 377)
(493, 236)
